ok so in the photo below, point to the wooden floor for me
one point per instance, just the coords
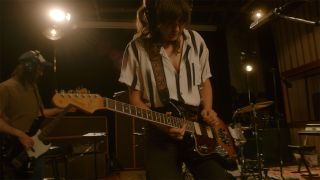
(290, 172)
(273, 173)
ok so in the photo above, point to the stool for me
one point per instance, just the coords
(54, 156)
(303, 150)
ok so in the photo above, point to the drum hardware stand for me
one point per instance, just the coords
(277, 118)
(248, 167)
(259, 160)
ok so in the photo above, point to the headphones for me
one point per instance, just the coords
(150, 10)
(30, 60)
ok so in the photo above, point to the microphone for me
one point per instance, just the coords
(259, 22)
(277, 12)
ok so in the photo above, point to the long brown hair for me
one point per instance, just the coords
(152, 13)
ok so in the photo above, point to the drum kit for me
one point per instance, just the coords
(248, 167)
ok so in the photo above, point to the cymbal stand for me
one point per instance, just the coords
(255, 118)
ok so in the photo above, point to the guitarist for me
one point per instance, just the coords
(20, 105)
(167, 61)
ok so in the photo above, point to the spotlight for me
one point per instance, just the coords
(257, 14)
(58, 15)
(248, 68)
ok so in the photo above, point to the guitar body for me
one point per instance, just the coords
(39, 147)
(205, 141)
(10, 149)
(14, 153)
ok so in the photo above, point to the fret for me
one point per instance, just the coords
(139, 113)
(149, 114)
(179, 122)
(144, 113)
(154, 116)
(174, 122)
(126, 108)
(111, 104)
(119, 106)
(169, 122)
(163, 118)
(133, 110)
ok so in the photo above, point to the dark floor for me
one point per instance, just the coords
(289, 172)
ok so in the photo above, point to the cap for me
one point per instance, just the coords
(33, 57)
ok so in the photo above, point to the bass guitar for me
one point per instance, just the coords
(207, 140)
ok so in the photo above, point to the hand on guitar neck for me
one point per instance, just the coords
(176, 133)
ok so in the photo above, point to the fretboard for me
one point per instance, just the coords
(148, 115)
(52, 124)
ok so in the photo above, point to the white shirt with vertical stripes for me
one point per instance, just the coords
(136, 71)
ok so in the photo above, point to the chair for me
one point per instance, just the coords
(303, 150)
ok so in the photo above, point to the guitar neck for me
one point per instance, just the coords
(52, 124)
(148, 115)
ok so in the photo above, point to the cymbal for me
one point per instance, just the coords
(255, 106)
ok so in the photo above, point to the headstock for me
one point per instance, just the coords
(83, 100)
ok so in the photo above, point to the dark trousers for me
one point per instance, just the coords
(164, 157)
(36, 172)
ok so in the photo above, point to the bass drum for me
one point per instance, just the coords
(236, 131)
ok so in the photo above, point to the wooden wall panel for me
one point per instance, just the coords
(298, 51)
(298, 100)
(300, 54)
(313, 87)
(305, 44)
(316, 34)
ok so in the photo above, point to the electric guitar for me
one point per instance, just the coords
(13, 152)
(207, 140)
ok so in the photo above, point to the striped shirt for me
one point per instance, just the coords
(184, 86)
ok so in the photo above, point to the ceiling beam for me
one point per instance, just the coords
(132, 25)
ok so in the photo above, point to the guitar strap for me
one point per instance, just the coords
(36, 124)
(158, 72)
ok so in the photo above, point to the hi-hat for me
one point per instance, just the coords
(253, 106)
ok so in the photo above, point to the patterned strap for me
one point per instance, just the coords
(158, 71)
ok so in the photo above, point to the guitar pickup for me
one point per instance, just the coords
(197, 128)
(209, 132)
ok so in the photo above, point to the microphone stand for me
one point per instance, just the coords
(277, 118)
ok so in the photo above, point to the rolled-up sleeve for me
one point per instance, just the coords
(204, 60)
(130, 67)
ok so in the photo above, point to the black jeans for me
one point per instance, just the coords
(37, 171)
(164, 157)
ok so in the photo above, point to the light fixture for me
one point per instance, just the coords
(279, 12)
(58, 24)
(53, 33)
(257, 14)
(59, 16)
(248, 67)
